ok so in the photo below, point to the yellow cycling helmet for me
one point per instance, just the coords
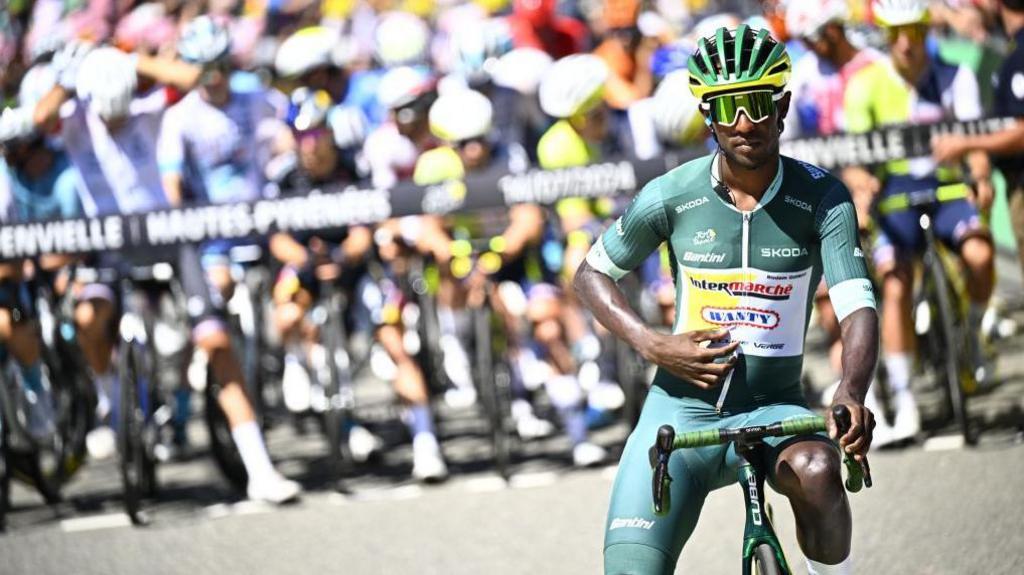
(740, 60)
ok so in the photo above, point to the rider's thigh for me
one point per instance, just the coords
(903, 231)
(631, 520)
(956, 221)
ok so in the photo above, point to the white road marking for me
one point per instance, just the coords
(486, 484)
(221, 510)
(944, 443)
(400, 493)
(527, 480)
(108, 521)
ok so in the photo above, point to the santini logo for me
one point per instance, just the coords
(783, 252)
(691, 204)
(635, 522)
(708, 258)
(618, 227)
(798, 203)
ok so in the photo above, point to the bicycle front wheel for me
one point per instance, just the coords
(953, 360)
(137, 472)
(765, 561)
(493, 383)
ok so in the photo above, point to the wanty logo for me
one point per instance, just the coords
(741, 288)
(705, 237)
(746, 316)
(691, 204)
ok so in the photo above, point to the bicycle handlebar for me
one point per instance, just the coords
(858, 473)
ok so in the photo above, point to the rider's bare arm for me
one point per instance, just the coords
(860, 354)
(680, 354)
(525, 228)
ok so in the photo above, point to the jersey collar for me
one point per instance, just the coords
(773, 187)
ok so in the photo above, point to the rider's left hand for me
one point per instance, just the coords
(857, 439)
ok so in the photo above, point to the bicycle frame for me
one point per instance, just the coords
(758, 528)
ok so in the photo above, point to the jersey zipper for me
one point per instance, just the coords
(745, 250)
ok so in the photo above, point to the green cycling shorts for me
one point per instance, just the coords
(639, 542)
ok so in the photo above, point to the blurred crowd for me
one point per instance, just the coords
(121, 106)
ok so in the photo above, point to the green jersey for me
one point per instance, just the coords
(754, 272)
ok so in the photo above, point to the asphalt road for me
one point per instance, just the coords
(936, 508)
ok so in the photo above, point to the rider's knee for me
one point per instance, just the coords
(92, 316)
(288, 317)
(808, 466)
(977, 252)
(548, 332)
(897, 282)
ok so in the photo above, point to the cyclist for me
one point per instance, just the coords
(342, 255)
(1009, 102)
(392, 148)
(818, 86)
(912, 86)
(462, 119)
(111, 137)
(752, 228)
(37, 182)
(820, 76)
(536, 24)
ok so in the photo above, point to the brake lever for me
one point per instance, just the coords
(661, 480)
(859, 472)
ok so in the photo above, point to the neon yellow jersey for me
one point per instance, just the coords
(877, 96)
(437, 166)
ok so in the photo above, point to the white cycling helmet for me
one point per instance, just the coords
(677, 116)
(348, 124)
(107, 80)
(806, 17)
(461, 115)
(401, 86)
(521, 70)
(204, 41)
(900, 12)
(476, 47)
(39, 80)
(573, 85)
(311, 48)
(400, 39)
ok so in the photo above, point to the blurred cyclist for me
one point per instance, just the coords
(325, 138)
(463, 119)
(37, 182)
(536, 24)
(111, 137)
(911, 86)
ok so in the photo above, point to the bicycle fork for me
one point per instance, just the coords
(758, 529)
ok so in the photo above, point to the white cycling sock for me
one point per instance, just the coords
(897, 365)
(254, 454)
(843, 568)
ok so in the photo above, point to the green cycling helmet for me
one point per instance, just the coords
(741, 60)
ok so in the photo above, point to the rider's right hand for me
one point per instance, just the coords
(684, 356)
